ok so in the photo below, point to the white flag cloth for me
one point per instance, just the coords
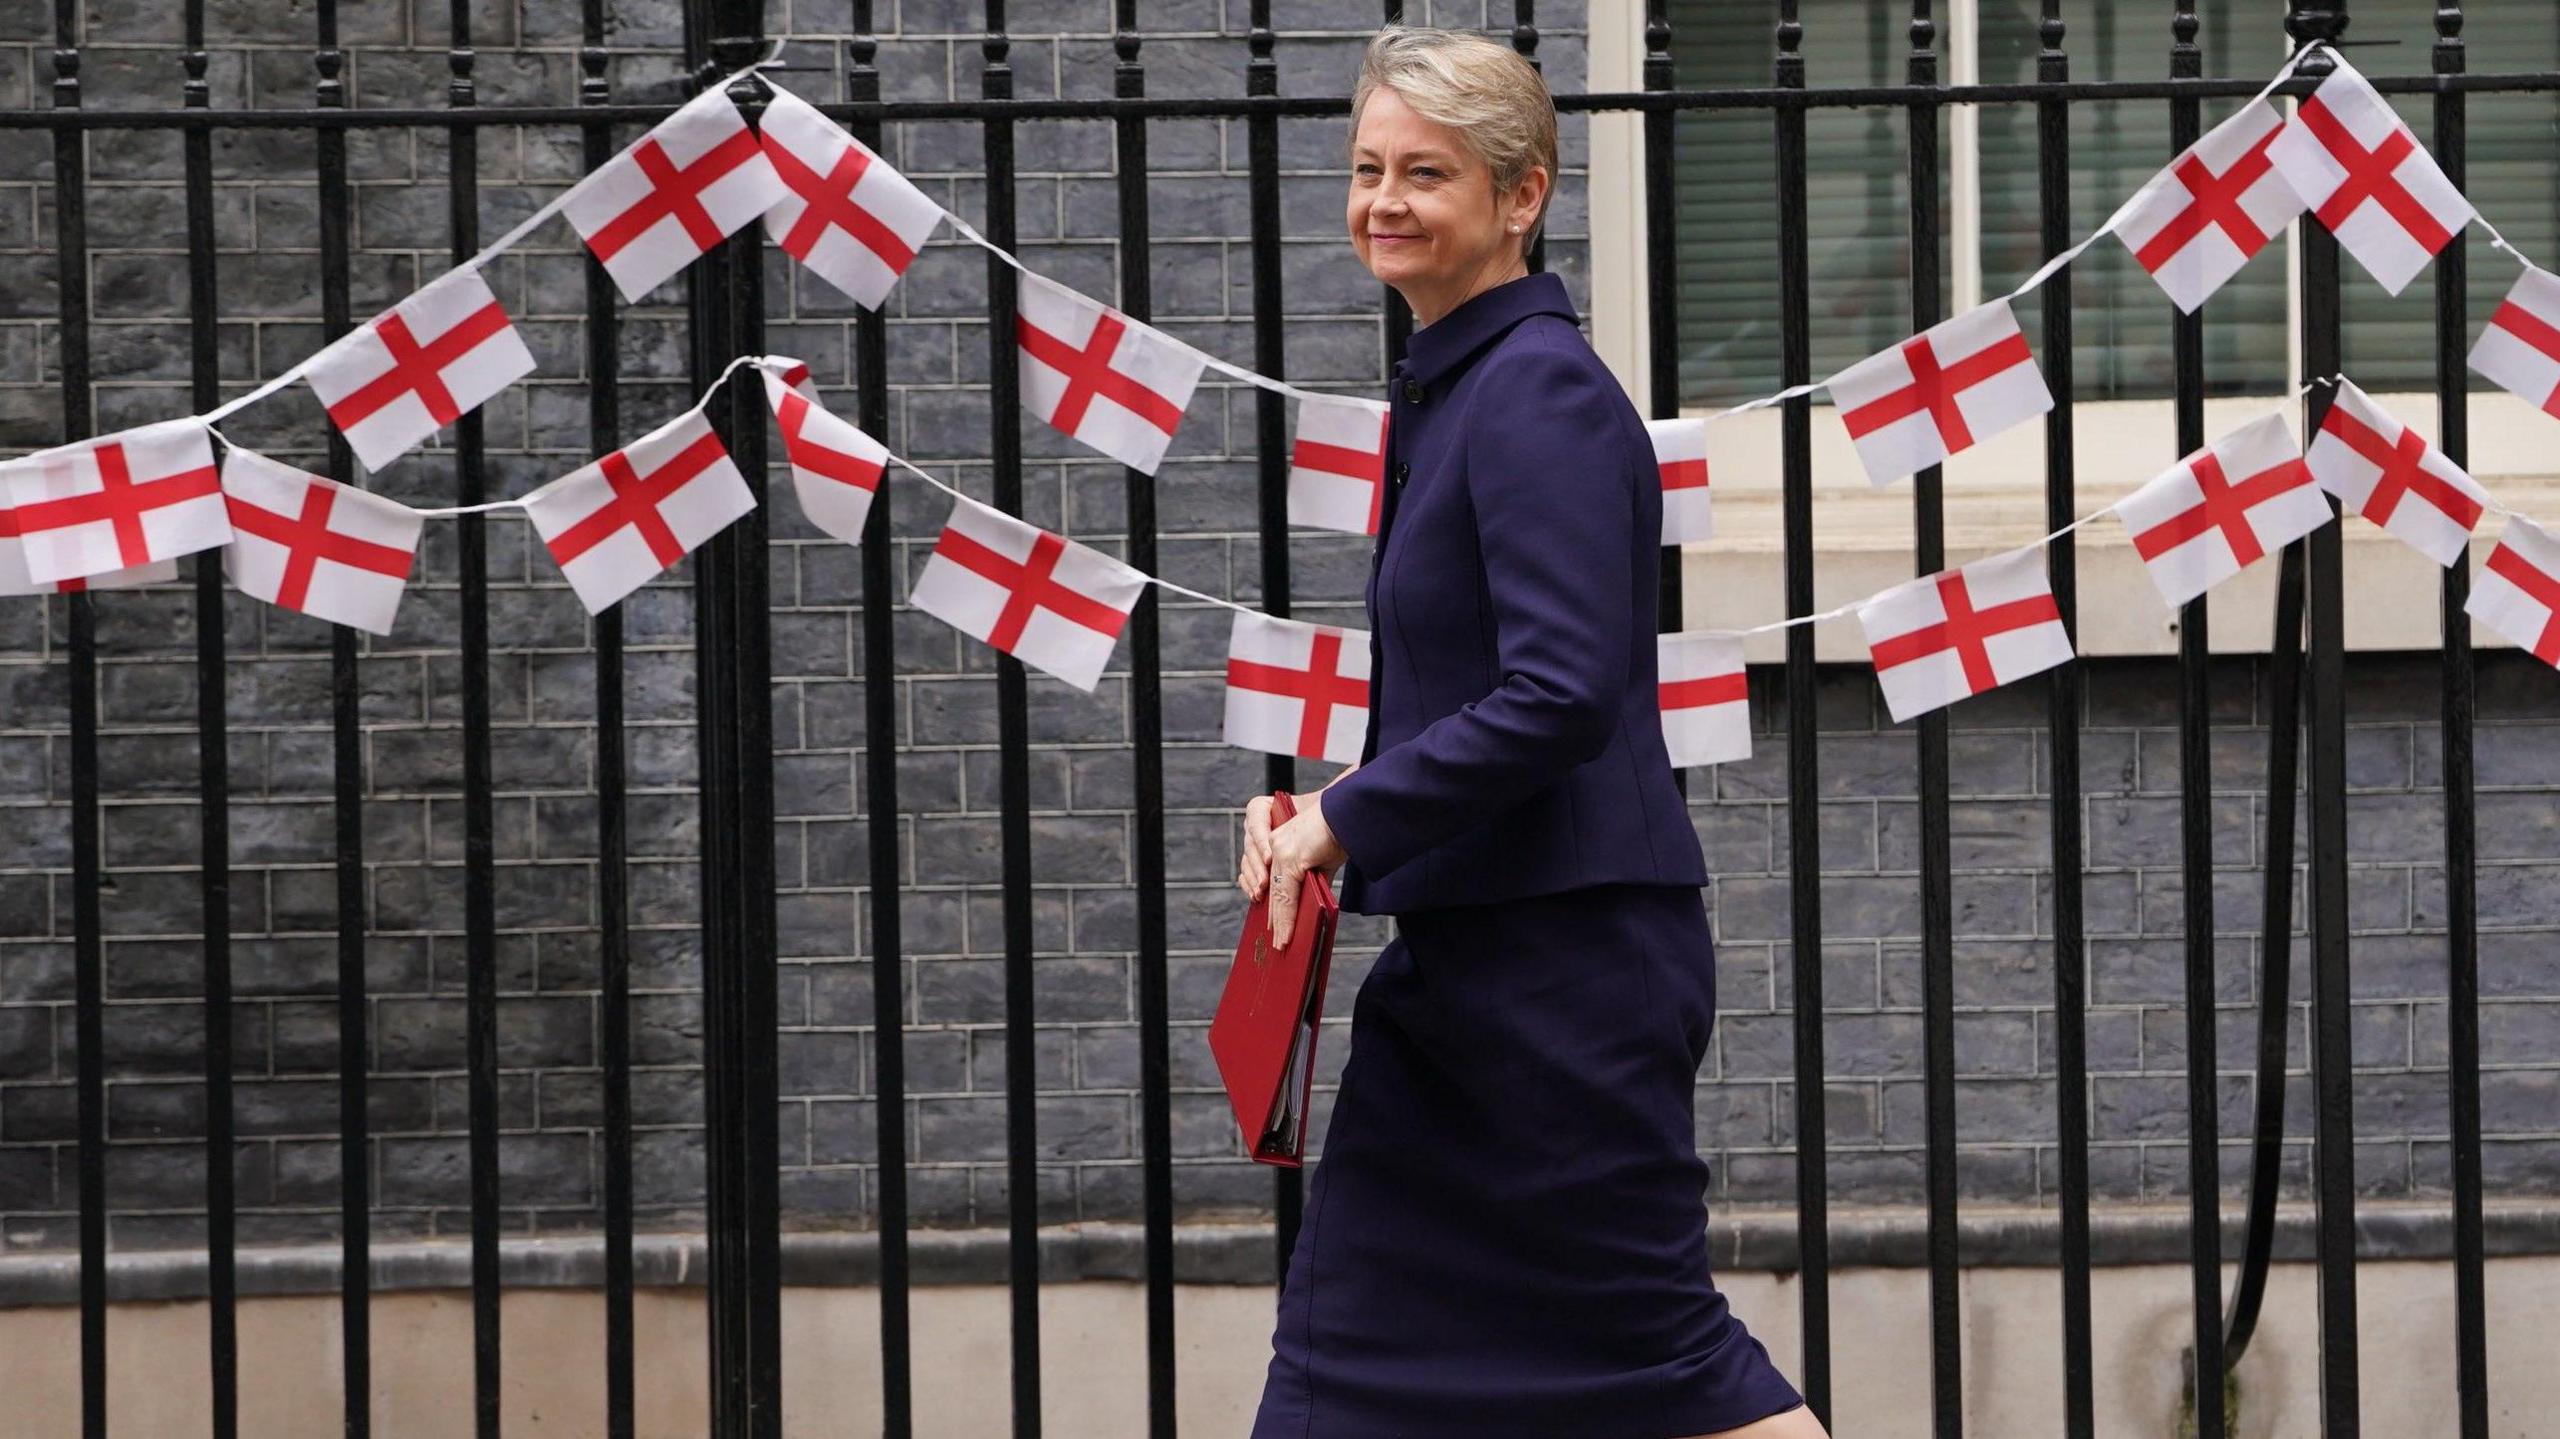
(115, 503)
(1338, 464)
(14, 579)
(679, 190)
(1957, 633)
(1049, 602)
(2366, 177)
(1296, 688)
(2389, 473)
(306, 542)
(835, 467)
(617, 524)
(2216, 512)
(1680, 452)
(1935, 394)
(436, 355)
(2520, 349)
(856, 223)
(2200, 220)
(1108, 380)
(2518, 591)
(1706, 700)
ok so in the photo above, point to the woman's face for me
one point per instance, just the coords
(1423, 213)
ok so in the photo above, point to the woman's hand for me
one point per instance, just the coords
(1304, 843)
(1286, 853)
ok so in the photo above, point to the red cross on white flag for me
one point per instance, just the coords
(1680, 452)
(2349, 157)
(1297, 689)
(1957, 633)
(685, 186)
(856, 223)
(626, 519)
(1934, 395)
(1100, 376)
(14, 579)
(111, 504)
(2216, 512)
(1049, 602)
(2518, 591)
(2520, 349)
(309, 543)
(437, 354)
(795, 375)
(1338, 464)
(2201, 219)
(835, 467)
(2388, 473)
(1706, 700)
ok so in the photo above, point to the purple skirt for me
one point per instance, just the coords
(1505, 1230)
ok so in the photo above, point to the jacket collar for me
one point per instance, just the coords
(1436, 348)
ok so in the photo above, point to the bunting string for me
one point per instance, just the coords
(1120, 387)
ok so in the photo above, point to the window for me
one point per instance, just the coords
(1725, 188)
(1857, 189)
(2120, 319)
(1857, 198)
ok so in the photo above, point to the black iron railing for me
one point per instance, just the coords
(733, 649)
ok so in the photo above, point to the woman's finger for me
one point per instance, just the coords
(1284, 902)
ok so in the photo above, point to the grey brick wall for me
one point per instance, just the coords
(281, 752)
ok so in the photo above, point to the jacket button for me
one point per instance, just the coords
(1412, 392)
(1402, 470)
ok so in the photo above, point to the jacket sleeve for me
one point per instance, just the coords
(1549, 475)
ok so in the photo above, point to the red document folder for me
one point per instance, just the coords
(1264, 1033)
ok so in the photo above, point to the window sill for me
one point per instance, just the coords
(1994, 501)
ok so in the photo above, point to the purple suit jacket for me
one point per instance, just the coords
(1515, 722)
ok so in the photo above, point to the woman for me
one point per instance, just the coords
(1505, 1232)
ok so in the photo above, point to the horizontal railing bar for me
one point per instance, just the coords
(1222, 107)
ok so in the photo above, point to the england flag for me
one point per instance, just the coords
(1297, 689)
(14, 579)
(681, 189)
(2389, 473)
(305, 542)
(2366, 177)
(1338, 464)
(856, 223)
(619, 523)
(794, 375)
(2520, 349)
(1051, 603)
(1101, 377)
(118, 503)
(1680, 453)
(2216, 512)
(1935, 394)
(2518, 592)
(1706, 699)
(436, 355)
(1957, 633)
(2201, 219)
(835, 467)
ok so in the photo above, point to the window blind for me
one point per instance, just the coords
(1726, 187)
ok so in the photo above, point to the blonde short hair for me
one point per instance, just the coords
(1475, 86)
